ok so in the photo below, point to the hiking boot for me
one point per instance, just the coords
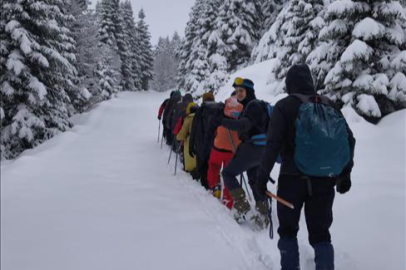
(241, 204)
(195, 174)
(217, 192)
(262, 208)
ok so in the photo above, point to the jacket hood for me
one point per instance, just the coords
(187, 98)
(299, 80)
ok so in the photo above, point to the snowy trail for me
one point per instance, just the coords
(101, 196)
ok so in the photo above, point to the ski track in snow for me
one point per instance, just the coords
(102, 196)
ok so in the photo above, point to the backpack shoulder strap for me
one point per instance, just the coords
(312, 99)
(302, 98)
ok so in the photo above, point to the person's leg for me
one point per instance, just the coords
(319, 217)
(213, 177)
(246, 157)
(291, 189)
(227, 199)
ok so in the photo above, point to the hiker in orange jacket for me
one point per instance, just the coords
(225, 143)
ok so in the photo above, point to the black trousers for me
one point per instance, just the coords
(202, 167)
(246, 159)
(316, 194)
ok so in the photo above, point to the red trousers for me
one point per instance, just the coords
(216, 160)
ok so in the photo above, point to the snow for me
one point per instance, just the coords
(400, 61)
(368, 29)
(102, 196)
(38, 87)
(357, 50)
(368, 105)
(344, 7)
(14, 62)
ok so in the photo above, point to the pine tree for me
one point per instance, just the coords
(187, 44)
(132, 45)
(270, 10)
(216, 48)
(37, 87)
(301, 27)
(85, 30)
(362, 54)
(240, 30)
(146, 58)
(165, 65)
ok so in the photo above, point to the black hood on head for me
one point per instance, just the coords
(299, 80)
(187, 98)
(250, 97)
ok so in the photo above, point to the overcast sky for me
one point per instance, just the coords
(164, 17)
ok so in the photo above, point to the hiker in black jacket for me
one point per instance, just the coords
(251, 128)
(197, 142)
(168, 115)
(316, 194)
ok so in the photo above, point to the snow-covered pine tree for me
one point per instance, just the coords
(270, 10)
(37, 78)
(108, 68)
(216, 48)
(301, 27)
(85, 29)
(132, 43)
(240, 30)
(362, 51)
(199, 69)
(146, 58)
(273, 39)
(165, 65)
(107, 12)
(187, 43)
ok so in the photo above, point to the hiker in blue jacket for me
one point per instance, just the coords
(301, 182)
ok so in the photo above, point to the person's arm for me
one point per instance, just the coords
(192, 139)
(161, 109)
(276, 135)
(184, 131)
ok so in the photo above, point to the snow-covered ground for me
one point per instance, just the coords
(102, 196)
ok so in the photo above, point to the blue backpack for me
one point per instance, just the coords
(321, 142)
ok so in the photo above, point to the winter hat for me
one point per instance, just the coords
(208, 97)
(299, 80)
(189, 107)
(176, 93)
(232, 108)
(244, 83)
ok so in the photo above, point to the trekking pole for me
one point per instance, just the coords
(242, 175)
(159, 129)
(177, 153)
(279, 199)
(170, 154)
(162, 138)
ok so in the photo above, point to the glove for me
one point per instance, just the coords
(343, 184)
(192, 152)
(159, 117)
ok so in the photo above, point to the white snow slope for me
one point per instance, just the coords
(102, 196)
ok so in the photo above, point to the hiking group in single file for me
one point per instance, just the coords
(305, 132)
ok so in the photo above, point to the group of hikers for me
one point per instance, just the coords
(305, 132)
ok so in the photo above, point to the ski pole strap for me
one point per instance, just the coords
(259, 139)
(270, 218)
